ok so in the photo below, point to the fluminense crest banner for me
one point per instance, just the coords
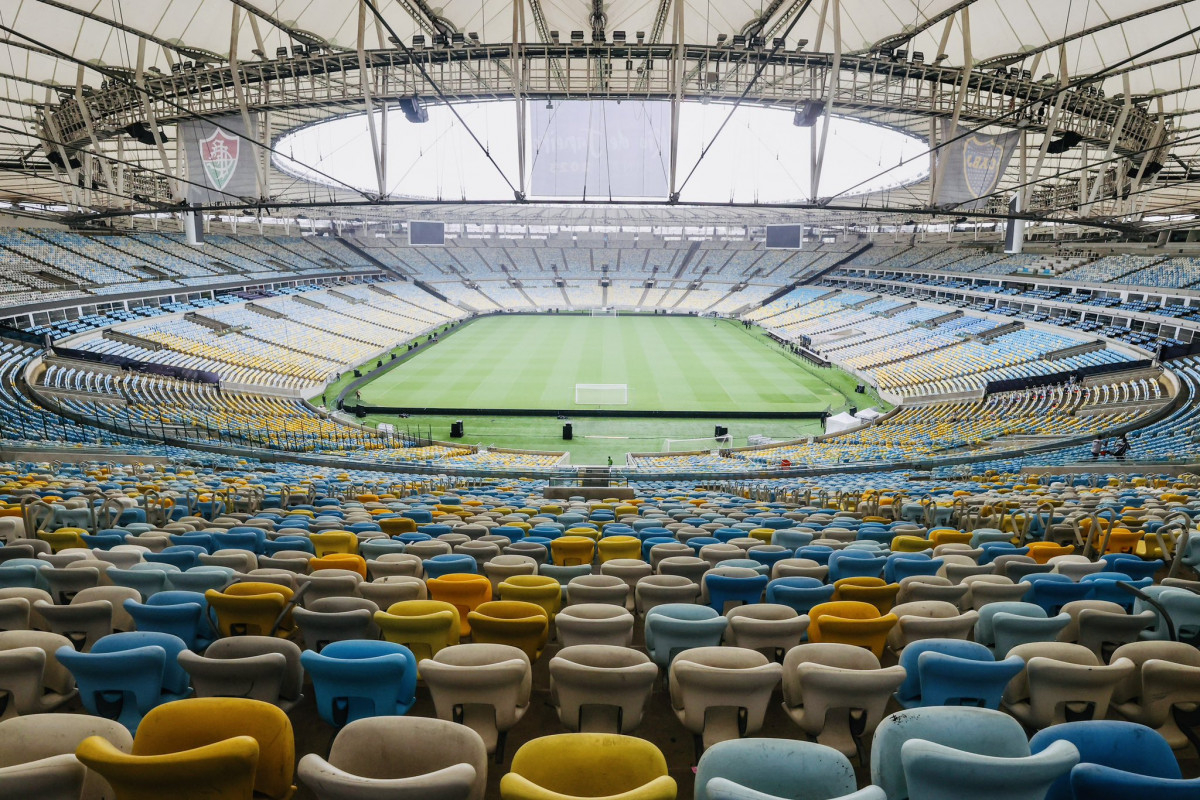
(970, 167)
(220, 160)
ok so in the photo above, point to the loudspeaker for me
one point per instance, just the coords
(568, 432)
(456, 429)
(1063, 143)
(807, 114)
(860, 389)
(414, 110)
(720, 430)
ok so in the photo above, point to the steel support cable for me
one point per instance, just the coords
(750, 85)
(441, 94)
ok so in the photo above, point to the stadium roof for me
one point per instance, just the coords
(194, 57)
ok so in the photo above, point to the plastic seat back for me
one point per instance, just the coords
(565, 765)
(937, 772)
(1098, 782)
(776, 767)
(225, 769)
(483, 686)
(601, 688)
(423, 626)
(358, 679)
(973, 730)
(409, 758)
(188, 724)
(122, 685)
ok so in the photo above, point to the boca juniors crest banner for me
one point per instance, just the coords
(970, 167)
(220, 160)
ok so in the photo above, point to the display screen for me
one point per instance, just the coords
(426, 233)
(784, 237)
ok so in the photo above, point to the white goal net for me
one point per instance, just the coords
(702, 443)
(604, 312)
(601, 394)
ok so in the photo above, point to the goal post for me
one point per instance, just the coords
(601, 394)
(604, 312)
(701, 443)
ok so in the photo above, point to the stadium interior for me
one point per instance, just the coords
(796, 400)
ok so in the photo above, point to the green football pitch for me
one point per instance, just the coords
(666, 363)
(653, 363)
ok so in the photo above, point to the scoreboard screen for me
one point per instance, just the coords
(426, 233)
(784, 237)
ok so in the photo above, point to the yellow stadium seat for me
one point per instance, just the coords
(63, 538)
(224, 770)
(941, 536)
(569, 551)
(423, 626)
(1042, 552)
(465, 592)
(577, 765)
(394, 526)
(910, 544)
(330, 542)
(619, 547)
(525, 626)
(581, 531)
(251, 609)
(196, 722)
(348, 561)
(540, 589)
(875, 591)
(850, 622)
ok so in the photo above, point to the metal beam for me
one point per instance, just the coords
(912, 31)
(1011, 58)
(835, 75)
(785, 18)
(296, 34)
(676, 100)
(194, 53)
(598, 20)
(755, 26)
(260, 167)
(660, 21)
(1051, 124)
(1154, 62)
(539, 20)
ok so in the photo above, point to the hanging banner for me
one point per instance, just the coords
(220, 160)
(970, 168)
(600, 148)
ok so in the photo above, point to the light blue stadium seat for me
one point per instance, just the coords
(674, 627)
(1098, 782)
(974, 730)
(777, 769)
(354, 680)
(1120, 745)
(127, 674)
(940, 772)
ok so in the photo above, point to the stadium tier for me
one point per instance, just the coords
(969, 378)
(1036, 625)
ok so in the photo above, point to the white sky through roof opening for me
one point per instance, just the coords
(759, 157)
